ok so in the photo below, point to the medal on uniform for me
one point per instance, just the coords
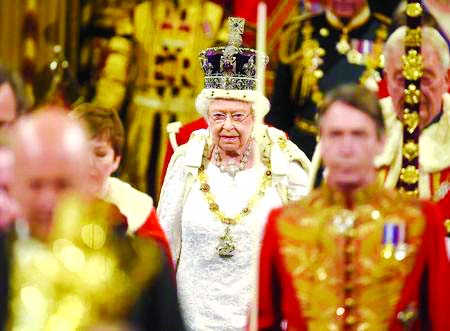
(390, 231)
(343, 45)
(355, 57)
(393, 242)
(444, 188)
(361, 49)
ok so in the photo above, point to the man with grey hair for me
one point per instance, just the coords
(434, 116)
(49, 151)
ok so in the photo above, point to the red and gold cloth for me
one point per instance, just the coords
(326, 265)
(152, 229)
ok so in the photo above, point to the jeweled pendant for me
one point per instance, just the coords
(355, 57)
(343, 45)
(226, 247)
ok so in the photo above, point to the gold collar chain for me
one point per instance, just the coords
(227, 247)
(265, 182)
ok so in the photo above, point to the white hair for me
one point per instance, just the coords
(260, 104)
(429, 36)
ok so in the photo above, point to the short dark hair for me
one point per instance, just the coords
(357, 97)
(101, 122)
(16, 83)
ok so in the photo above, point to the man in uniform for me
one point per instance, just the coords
(353, 256)
(433, 120)
(319, 52)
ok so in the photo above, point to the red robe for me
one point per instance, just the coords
(319, 272)
(182, 138)
(152, 229)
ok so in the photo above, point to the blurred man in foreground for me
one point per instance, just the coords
(353, 255)
(69, 265)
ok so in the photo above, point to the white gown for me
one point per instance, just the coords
(215, 292)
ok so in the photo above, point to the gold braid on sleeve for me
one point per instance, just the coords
(305, 60)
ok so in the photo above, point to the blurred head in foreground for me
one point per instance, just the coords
(51, 153)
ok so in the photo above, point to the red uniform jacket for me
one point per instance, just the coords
(182, 138)
(327, 265)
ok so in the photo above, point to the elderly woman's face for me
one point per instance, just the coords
(231, 123)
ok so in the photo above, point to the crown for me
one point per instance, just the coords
(231, 67)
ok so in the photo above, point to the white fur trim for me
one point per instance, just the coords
(434, 144)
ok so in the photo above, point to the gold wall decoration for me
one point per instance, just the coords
(29, 30)
(169, 38)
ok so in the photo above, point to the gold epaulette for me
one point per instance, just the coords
(288, 49)
(383, 18)
(297, 20)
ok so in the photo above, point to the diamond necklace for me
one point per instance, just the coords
(231, 167)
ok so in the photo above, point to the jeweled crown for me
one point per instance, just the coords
(231, 67)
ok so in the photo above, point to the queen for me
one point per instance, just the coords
(220, 187)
